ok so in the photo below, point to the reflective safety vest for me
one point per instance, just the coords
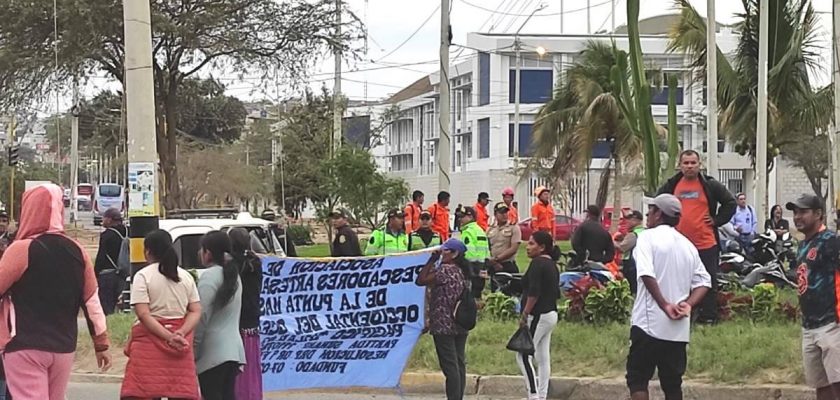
(478, 247)
(637, 230)
(416, 242)
(382, 242)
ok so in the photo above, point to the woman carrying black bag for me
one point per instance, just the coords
(539, 313)
(448, 283)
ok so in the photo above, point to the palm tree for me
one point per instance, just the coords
(796, 110)
(585, 111)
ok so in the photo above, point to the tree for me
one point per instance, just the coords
(240, 36)
(797, 112)
(215, 175)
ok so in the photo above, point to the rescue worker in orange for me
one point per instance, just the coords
(513, 213)
(482, 218)
(542, 214)
(412, 212)
(440, 215)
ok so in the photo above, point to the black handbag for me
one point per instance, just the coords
(521, 342)
(466, 312)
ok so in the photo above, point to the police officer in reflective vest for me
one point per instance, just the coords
(478, 250)
(626, 243)
(424, 237)
(391, 239)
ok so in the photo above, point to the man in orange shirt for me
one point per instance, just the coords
(481, 216)
(440, 215)
(412, 212)
(542, 214)
(706, 205)
(513, 213)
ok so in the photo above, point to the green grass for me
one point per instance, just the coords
(732, 352)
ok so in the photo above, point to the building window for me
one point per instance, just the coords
(536, 86)
(660, 97)
(483, 79)
(525, 134)
(484, 138)
(468, 145)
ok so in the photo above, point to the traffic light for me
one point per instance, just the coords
(13, 155)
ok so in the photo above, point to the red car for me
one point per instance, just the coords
(564, 226)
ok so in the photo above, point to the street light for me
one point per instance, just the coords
(541, 50)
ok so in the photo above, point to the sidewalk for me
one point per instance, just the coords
(561, 388)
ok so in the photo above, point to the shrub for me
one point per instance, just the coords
(612, 303)
(499, 307)
(576, 296)
(300, 235)
(765, 303)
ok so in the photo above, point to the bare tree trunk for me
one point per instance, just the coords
(617, 188)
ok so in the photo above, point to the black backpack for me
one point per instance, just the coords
(466, 312)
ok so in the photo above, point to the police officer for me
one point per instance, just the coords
(478, 250)
(279, 232)
(391, 239)
(346, 243)
(626, 243)
(504, 243)
(424, 237)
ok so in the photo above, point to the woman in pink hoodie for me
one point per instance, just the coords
(46, 278)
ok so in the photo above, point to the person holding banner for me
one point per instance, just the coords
(478, 250)
(424, 237)
(391, 239)
(249, 382)
(448, 282)
(218, 347)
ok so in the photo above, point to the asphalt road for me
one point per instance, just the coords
(110, 391)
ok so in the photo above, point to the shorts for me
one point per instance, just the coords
(821, 355)
(647, 354)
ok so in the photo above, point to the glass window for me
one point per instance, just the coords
(536, 86)
(483, 79)
(525, 133)
(484, 138)
(110, 190)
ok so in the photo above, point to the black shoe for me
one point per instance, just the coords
(706, 321)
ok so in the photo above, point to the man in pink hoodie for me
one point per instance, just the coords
(45, 279)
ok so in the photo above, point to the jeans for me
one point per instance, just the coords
(541, 327)
(218, 383)
(110, 286)
(708, 311)
(451, 356)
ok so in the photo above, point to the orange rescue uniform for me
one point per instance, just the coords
(513, 215)
(440, 220)
(481, 217)
(542, 218)
(412, 217)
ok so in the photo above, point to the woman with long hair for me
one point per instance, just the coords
(218, 347)
(448, 281)
(249, 382)
(539, 312)
(160, 354)
(776, 222)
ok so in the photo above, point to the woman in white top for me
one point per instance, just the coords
(165, 299)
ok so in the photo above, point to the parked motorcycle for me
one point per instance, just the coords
(765, 264)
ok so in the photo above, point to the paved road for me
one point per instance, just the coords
(100, 391)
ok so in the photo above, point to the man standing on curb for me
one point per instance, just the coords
(672, 281)
(817, 260)
(706, 206)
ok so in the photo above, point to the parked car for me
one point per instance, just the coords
(564, 226)
(108, 195)
(84, 197)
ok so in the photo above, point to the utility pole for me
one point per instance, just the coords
(834, 133)
(337, 112)
(589, 17)
(711, 91)
(142, 178)
(761, 123)
(517, 46)
(562, 11)
(74, 155)
(444, 151)
(612, 16)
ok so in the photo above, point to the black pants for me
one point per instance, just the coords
(451, 356)
(708, 311)
(217, 383)
(507, 266)
(475, 278)
(110, 286)
(648, 354)
(628, 269)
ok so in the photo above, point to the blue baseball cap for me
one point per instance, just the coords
(454, 245)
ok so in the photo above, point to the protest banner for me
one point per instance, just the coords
(339, 322)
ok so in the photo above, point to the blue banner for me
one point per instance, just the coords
(339, 322)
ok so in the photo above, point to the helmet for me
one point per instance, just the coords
(539, 190)
(733, 246)
(508, 191)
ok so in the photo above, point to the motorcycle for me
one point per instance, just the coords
(765, 264)
(510, 284)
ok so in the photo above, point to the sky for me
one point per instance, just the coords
(403, 39)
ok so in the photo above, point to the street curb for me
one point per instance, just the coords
(560, 388)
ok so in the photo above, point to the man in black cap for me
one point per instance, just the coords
(390, 240)
(346, 242)
(504, 240)
(817, 264)
(107, 271)
(279, 231)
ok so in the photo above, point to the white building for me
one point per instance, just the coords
(482, 115)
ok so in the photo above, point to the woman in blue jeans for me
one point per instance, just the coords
(447, 282)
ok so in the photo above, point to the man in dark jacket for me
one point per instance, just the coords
(346, 242)
(706, 205)
(591, 241)
(107, 272)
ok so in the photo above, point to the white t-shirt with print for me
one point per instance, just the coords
(666, 255)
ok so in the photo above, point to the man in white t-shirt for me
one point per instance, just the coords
(672, 280)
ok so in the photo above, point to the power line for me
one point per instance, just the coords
(535, 15)
(426, 21)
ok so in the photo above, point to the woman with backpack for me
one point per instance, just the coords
(160, 353)
(219, 352)
(448, 284)
(539, 311)
(249, 382)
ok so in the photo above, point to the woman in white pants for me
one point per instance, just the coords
(540, 291)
